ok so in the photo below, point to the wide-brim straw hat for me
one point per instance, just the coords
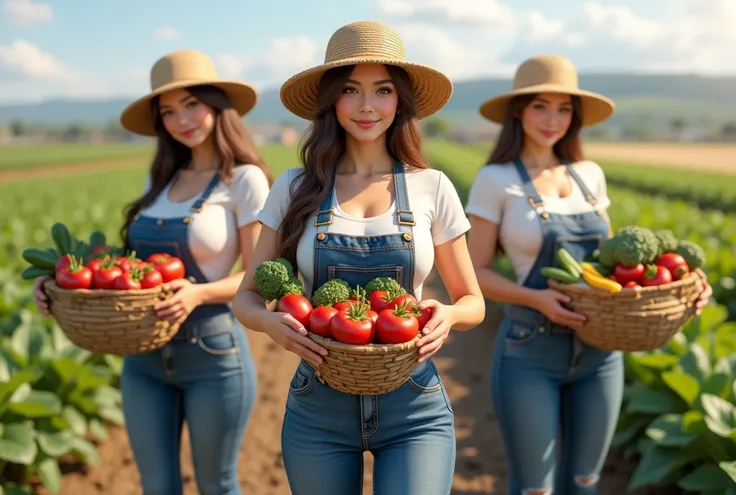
(366, 42)
(182, 69)
(549, 74)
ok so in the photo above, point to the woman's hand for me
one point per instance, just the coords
(436, 330)
(704, 297)
(287, 332)
(177, 308)
(549, 302)
(40, 297)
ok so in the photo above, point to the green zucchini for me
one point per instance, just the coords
(62, 238)
(559, 275)
(568, 263)
(32, 272)
(40, 258)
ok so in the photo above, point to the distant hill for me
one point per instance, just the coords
(653, 99)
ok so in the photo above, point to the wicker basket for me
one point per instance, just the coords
(366, 369)
(111, 321)
(639, 319)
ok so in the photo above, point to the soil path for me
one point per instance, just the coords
(464, 362)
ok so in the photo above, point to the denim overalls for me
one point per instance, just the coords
(543, 378)
(409, 431)
(205, 375)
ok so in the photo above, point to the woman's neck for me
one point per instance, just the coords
(366, 159)
(204, 157)
(536, 157)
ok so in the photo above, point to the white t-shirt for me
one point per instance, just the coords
(213, 232)
(438, 213)
(497, 196)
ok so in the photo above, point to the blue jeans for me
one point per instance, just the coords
(409, 431)
(211, 383)
(548, 383)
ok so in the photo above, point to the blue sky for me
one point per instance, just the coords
(59, 48)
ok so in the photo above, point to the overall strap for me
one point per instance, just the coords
(589, 197)
(532, 196)
(202, 199)
(404, 215)
(323, 218)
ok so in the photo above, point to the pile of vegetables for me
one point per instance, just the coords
(77, 264)
(380, 313)
(634, 257)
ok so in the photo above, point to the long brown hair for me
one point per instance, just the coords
(232, 143)
(510, 142)
(324, 145)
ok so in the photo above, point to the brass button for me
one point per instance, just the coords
(186, 219)
(321, 236)
(137, 216)
(159, 222)
(407, 237)
(545, 215)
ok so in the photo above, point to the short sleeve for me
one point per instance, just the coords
(277, 201)
(486, 196)
(250, 189)
(449, 219)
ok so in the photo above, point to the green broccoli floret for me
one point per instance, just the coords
(667, 242)
(269, 278)
(333, 291)
(388, 284)
(694, 255)
(287, 264)
(630, 246)
(292, 286)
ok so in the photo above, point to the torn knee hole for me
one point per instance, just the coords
(537, 491)
(586, 480)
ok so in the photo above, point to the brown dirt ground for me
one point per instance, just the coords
(464, 362)
(714, 157)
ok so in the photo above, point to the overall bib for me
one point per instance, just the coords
(205, 375)
(545, 381)
(409, 431)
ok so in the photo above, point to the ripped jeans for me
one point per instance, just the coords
(546, 385)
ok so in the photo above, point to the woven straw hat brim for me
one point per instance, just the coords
(432, 89)
(137, 116)
(596, 107)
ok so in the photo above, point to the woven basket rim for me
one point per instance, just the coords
(635, 292)
(53, 286)
(376, 349)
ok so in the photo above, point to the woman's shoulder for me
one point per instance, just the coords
(589, 169)
(248, 172)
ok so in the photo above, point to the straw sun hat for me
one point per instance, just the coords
(549, 74)
(366, 42)
(182, 69)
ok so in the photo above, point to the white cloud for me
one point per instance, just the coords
(478, 12)
(165, 33)
(23, 58)
(24, 13)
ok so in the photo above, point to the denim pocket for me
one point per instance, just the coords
(426, 379)
(520, 332)
(219, 344)
(303, 380)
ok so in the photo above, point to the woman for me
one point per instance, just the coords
(536, 195)
(206, 185)
(363, 169)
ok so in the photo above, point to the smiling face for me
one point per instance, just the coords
(367, 105)
(186, 118)
(547, 118)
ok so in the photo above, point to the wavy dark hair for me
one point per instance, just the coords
(510, 142)
(323, 146)
(233, 144)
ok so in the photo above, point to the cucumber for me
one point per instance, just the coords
(34, 272)
(568, 263)
(559, 275)
(97, 239)
(62, 238)
(40, 258)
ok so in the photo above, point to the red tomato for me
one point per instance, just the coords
(343, 305)
(126, 281)
(320, 319)
(94, 264)
(631, 285)
(372, 315)
(297, 306)
(400, 299)
(170, 267)
(661, 277)
(626, 274)
(150, 277)
(675, 264)
(63, 262)
(395, 326)
(422, 315)
(352, 329)
(104, 277)
(379, 301)
(99, 251)
(74, 276)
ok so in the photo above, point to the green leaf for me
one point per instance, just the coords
(18, 443)
(684, 385)
(678, 344)
(655, 465)
(30, 342)
(720, 415)
(696, 363)
(725, 340)
(730, 469)
(113, 414)
(107, 396)
(627, 432)
(717, 384)
(77, 421)
(50, 474)
(8, 388)
(654, 401)
(706, 477)
(37, 404)
(667, 431)
(55, 444)
(85, 450)
(655, 361)
(98, 429)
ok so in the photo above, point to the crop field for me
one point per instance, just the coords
(60, 406)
